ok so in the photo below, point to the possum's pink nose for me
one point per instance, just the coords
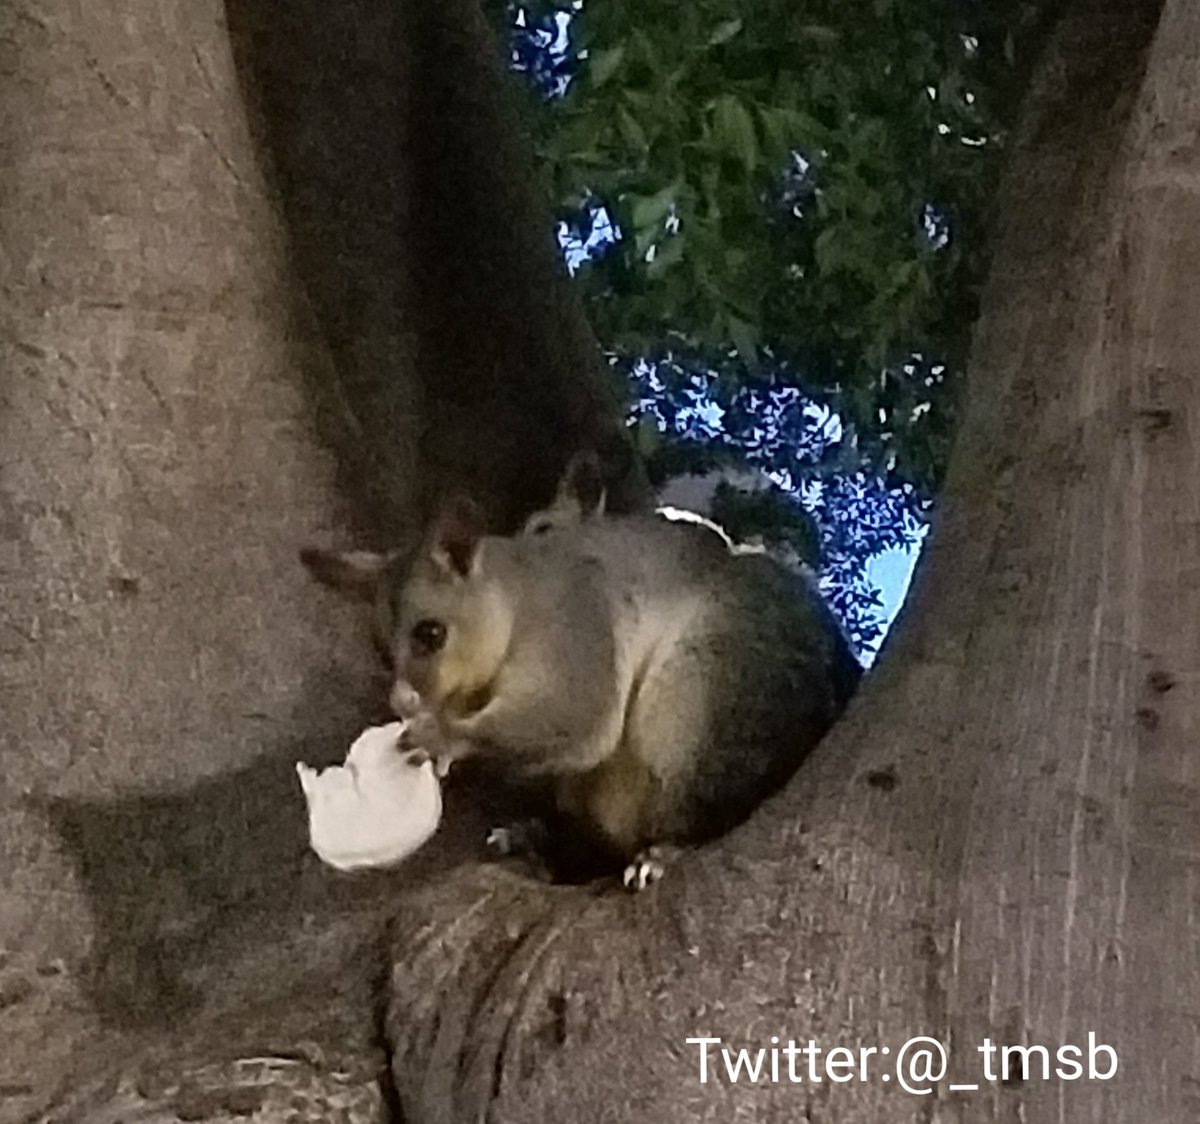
(404, 700)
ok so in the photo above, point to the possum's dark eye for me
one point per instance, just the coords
(428, 636)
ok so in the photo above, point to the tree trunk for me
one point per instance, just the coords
(424, 247)
(999, 842)
(190, 389)
(163, 659)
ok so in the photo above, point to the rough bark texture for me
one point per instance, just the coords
(1000, 840)
(218, 342)
(424, 246)
(163, 660)
(513, 377)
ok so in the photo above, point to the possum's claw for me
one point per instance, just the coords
(525, 837)
(648, 866)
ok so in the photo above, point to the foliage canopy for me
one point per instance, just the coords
(776, 210)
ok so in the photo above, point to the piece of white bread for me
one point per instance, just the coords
(377, 808)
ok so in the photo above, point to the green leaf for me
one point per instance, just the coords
(604, 64)
(820, 34)
(642, 241)
(745, 338)
(825, 249)
(631, 132)
(725, 31)
(779, 140)
(666, 254)
(733, 131)
(645, 50)
(646, 437)
(587, 157)
(647, 211)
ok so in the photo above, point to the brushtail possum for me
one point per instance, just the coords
(663, 683)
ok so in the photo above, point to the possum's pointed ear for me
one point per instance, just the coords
(357, 573)
(456, 536)
(583, 485)
(580, 497)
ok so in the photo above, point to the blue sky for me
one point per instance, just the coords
(892, 572)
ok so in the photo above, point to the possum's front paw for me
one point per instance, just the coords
(648, 866)
(423, 732)
(441, 765)
(425, 739)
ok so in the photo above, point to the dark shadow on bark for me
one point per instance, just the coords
(328, 114)
(503, 336)
(462, 356)
(408, 207)
(179, 882)
(459, 352)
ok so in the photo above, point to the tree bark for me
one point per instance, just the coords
(232, 294)
(163, 657)
(999, 841)
(424, 245)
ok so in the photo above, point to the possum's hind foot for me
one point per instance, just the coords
(648, 866)
(523, 839)
(522, 843)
